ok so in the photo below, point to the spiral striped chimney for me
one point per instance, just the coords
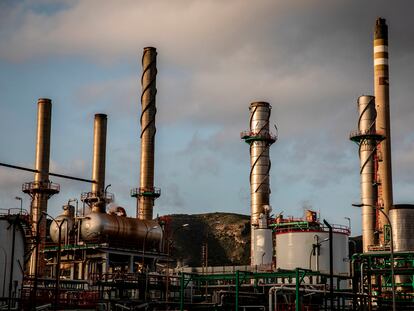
(147, 193)
(260, 139)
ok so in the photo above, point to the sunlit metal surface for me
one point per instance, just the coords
(67, 226)
(145, 203)
(259, 138)
(98, 163)
(382, 99)
(131, 231)
(367, 156)
(402, 221)
(41, 189)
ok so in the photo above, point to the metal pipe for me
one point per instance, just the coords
(260, 139)
(98, 163)
(391, 252)
(330, 263)
(276, 289)
(237, 289)
(15, 220)
(4, 270)
(146, 193)
(35, 257)
(382, 98)
(21, 204)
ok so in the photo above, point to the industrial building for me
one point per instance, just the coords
(96, 257)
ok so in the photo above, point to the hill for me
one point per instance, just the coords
(226, 235)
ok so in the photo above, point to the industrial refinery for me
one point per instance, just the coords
(93, 256)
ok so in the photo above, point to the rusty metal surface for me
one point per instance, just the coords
(382, 99)
(41, 195)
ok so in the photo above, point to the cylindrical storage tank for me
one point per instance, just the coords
(132, 232)
(402, 222)
(262, 246)
(296, 250)
(11, 278)
(66, 227)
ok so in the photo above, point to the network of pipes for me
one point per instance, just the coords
(98, 258)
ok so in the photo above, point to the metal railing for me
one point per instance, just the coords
(93, 196)
(40, 186)
(368, 132)
(303, 226)
(248, 134)
(146, 191)
(13, 211)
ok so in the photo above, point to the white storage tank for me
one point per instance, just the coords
(10, 257)
(402, 221)
(304, 244)
(262, 244)
(262, 247)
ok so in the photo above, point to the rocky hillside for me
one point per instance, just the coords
(226, 235)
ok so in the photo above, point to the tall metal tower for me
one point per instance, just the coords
(382, 100)
(368, 138)
(260, 139)
(98, 197)
(147, 193)
(41, 189)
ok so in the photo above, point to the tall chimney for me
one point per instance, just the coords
(382, 99)
(98, 197)
(41, 189)
(368, 139)
(98, 161)
(260, 139)
(146, 193)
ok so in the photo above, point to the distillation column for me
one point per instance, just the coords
(382, 99)
(147, 193)
(41, 189)
(98, 197)
(260, 139)
(367, 138)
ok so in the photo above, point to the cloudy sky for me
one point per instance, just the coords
(310, 59)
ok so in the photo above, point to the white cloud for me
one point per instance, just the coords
(309, 59)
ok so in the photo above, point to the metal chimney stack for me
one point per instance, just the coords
(260, 139)
(41, 189)
(98, 197)
(146, 193)
(382, 99)
(368, 139)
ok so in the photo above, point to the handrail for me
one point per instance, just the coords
(245, 134)
(307, 226)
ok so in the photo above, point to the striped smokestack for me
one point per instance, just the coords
(381, 92)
